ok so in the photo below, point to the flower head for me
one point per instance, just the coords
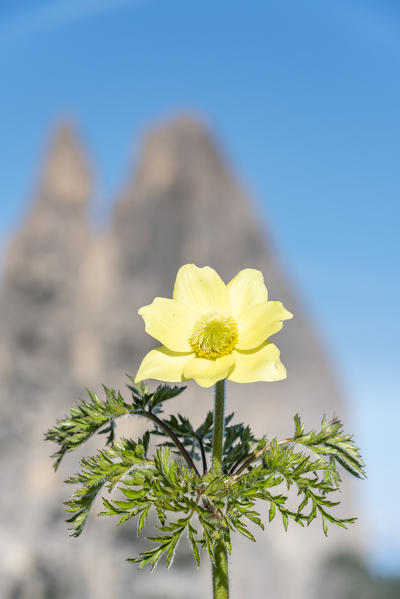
(211, 331)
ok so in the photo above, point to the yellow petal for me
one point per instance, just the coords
(260, 322)
(164, 365)
(170, 322)
(202, 289)
(208, 372)
(246, 289)
(263, 364)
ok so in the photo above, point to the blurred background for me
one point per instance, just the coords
(138, 135)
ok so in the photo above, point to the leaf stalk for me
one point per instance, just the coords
(174, 438)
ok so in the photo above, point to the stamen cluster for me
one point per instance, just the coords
(214, 335)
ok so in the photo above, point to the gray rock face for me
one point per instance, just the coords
(39, 304)
(68, 319)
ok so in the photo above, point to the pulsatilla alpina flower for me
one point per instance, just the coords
(211, 331)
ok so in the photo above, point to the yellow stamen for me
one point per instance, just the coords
(214, 335)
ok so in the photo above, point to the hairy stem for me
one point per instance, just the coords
(203, 453)
(220, 566)
(220, 572)
(218, 430)
(174, 438)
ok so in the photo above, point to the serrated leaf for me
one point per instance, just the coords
(86, 419)
(165, 392)
(272, 511)
(193, 542)
(285, 520)
(243, 530)
(171, 549)
(143, 518)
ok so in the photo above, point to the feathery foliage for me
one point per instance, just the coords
(175, 484)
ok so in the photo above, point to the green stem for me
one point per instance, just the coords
(220, 567)
(175, 439)
(220, 572)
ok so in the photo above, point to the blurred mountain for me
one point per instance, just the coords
(346, 576)
(68, 320)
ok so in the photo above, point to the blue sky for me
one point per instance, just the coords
(305, 97)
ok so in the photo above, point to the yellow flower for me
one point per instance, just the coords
(211, 331)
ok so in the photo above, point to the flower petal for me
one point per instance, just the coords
(170, 322)
(207, 372)
(164, 365)
(262, 364)
(202, 289)
(246, 289)
(260, 322)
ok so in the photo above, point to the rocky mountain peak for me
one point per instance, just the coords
(178, 148)
(66, 174)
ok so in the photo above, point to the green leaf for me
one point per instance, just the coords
(331, 442)
(106, 468)
(299, 428)
(80, 504)
(86, 419)
(192, 531)
(285, 520)
(272, 511)
(143, 399)
(172, 548)
(165, 392)
(243, 530)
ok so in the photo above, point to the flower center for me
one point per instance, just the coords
(214, 335)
